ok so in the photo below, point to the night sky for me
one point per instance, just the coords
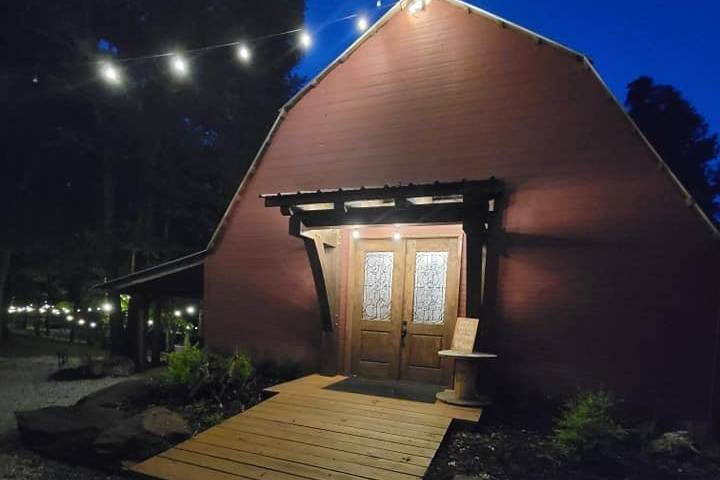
(672, 41)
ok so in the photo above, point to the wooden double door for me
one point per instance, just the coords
(404, 307)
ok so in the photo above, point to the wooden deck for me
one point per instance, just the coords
(305, 432)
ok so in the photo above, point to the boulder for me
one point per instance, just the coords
(118, 367)
(120, 395)
(143, 435)
(66, 432)
(673, 444)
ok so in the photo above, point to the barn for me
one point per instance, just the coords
(450, 163)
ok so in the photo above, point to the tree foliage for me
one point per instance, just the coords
(98, 181)
(680, 135)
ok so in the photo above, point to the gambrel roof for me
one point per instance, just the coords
(401, 5)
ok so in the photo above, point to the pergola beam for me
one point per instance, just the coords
(434, 213)
(489, 188)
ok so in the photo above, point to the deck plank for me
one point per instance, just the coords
(381, 425)
(242, 440)
(314, 436)
(308, 432)
(361, 410)
(301, 454)
(317, 421)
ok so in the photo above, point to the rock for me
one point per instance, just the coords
(83, 372)
(142, 435)
(673, 444)
(119, 395)
(66, 432)
(119, 367)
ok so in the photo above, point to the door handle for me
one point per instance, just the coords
(403, 333)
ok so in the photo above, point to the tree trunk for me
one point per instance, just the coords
(117, 345)
(111, 254)
(156, 333)
(5, 255)
(137, 317)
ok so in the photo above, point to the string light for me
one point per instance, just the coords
(93, 324)
(177, 313)
(110, 73)
(305, 39)
(69, 318)
(179, 65)
(107, 307)
(243, 53)
(81, 322)
(150, 323)
(190, 310)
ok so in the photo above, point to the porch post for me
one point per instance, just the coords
(475, 220)
(156, 332)
(475, 238)
(137, 315)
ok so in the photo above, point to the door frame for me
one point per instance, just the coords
(367, 234)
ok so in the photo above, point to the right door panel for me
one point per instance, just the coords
(432, 276)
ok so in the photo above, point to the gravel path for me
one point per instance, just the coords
(25, 366)
(25, 386)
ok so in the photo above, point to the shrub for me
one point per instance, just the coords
(185, 365)
(239, 367)
(587, 425)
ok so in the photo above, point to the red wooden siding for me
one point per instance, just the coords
(607, 276)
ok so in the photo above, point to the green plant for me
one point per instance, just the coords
(239, 367)
(184, 366)
(587, 425)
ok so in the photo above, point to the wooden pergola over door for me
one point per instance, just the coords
(471, 203)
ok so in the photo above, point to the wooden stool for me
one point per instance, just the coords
(464, 390)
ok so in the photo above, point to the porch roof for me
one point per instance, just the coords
(436, 202)
(182, 277)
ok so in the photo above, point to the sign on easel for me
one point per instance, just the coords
(464, 335)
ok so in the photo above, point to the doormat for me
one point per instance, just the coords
(415, 391)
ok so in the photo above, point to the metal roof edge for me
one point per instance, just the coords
(480, 11)
(193, 260)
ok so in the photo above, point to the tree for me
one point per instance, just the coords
(681, 136)
(111, 180)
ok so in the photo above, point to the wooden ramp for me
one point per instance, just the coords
(305, 432)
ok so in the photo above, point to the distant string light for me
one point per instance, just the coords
(110, 73)
(243, 53)
(179, 65)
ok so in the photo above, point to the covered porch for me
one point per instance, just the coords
(149, 291)
(417, 255)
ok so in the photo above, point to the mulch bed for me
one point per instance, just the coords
(515, 446)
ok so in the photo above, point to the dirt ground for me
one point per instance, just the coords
(25, 365)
